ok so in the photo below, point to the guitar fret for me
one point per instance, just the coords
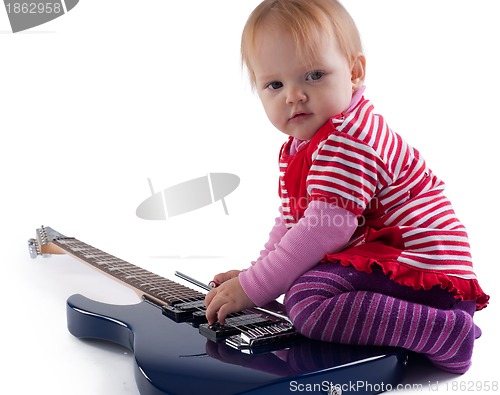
(119, 268)
(150, 283)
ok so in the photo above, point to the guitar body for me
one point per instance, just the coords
(173, 358)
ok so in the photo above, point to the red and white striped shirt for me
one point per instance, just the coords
(406, 224)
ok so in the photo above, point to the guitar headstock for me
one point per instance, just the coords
(43, 245)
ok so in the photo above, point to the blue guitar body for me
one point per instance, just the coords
(256, 351)
(173, 358)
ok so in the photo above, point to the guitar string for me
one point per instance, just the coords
(147, 273)
(91, 253)
(184, 297)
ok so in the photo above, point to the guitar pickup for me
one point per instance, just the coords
(199, 318)
(217, 332)
(182, 312)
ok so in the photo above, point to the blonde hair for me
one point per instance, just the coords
(306, 21)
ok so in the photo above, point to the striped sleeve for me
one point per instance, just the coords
(347, 172)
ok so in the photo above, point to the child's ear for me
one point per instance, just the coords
(358, 72)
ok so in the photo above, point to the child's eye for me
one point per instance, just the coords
(314, 75)
(275, 85)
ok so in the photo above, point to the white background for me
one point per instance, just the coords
(118, 91)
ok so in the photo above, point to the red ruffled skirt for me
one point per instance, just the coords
(383, 248)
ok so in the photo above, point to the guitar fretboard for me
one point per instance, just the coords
(151, 284)
(245, 330)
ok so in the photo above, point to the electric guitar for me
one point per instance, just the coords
(256, 351)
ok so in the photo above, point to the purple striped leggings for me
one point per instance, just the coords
(337, 303)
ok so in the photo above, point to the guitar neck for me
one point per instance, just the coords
(251, 328)
(147, 284)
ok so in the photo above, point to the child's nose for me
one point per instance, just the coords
(295, 95)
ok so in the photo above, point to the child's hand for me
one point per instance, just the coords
(227, 298)
(223, 277)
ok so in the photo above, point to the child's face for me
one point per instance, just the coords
(299, 99)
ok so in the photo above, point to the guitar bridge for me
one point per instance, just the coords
(248, 341)
(251, 331)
